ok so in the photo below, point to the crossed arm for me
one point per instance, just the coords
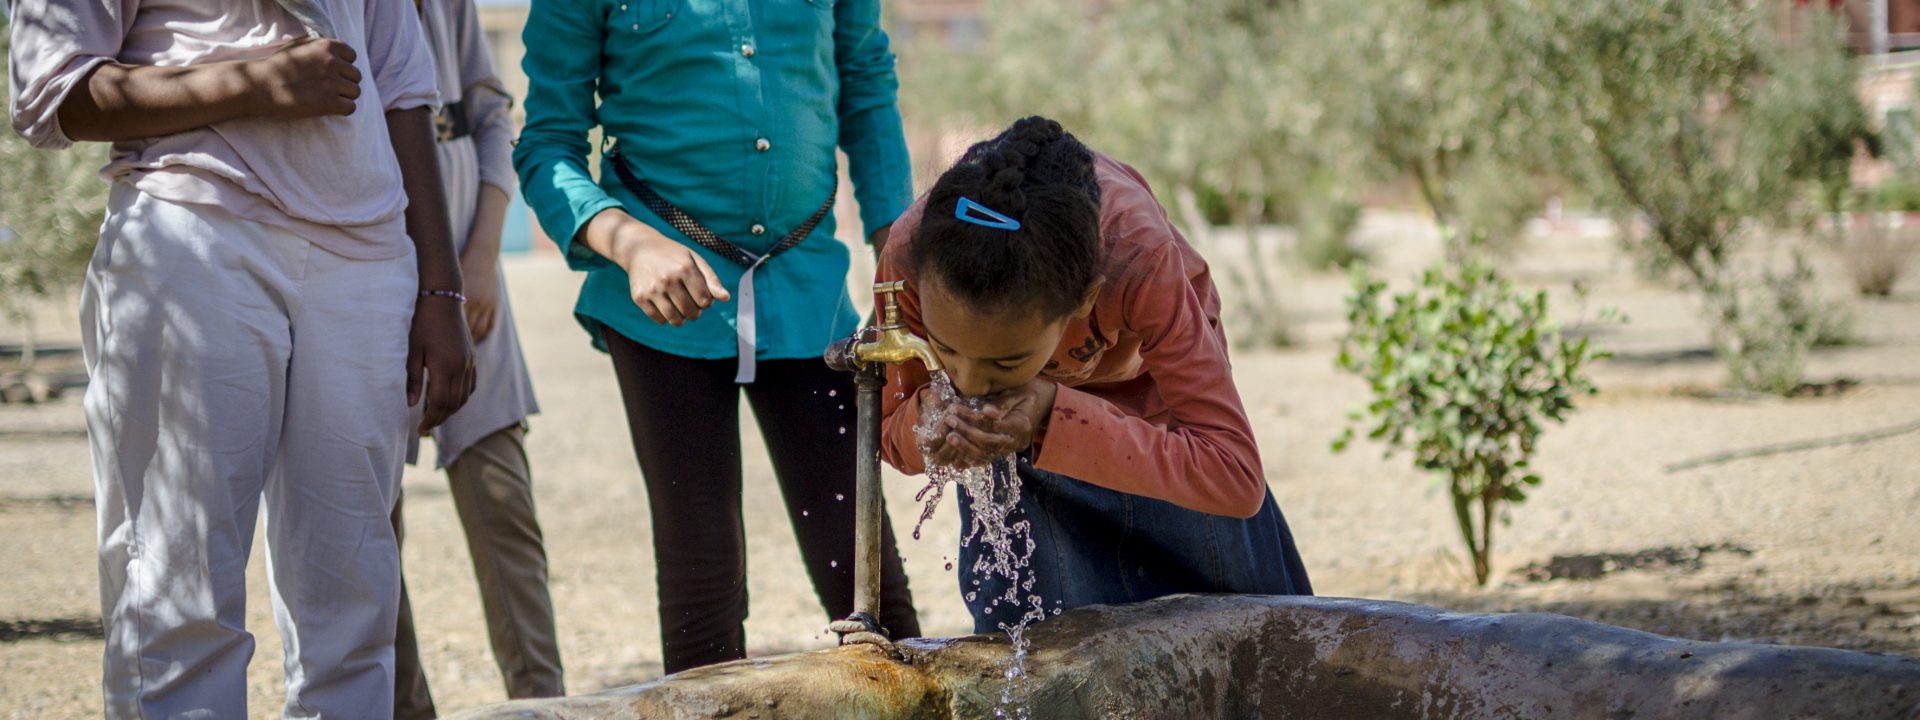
(307, 78)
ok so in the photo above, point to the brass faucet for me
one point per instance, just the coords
(865, 354)
(887, 342)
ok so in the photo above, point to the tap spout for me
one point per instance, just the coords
(887, 341)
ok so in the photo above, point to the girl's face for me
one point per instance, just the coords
(986, 352)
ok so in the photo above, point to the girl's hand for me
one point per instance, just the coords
(1008, 423)
(669, 281)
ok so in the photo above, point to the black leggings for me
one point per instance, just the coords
(684, 414)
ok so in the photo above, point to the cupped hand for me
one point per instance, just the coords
(1008, 422)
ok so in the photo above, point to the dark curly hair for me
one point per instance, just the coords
(1039, 175)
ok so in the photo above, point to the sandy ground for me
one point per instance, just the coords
(1825, 548)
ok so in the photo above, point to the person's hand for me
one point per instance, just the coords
(669, 281)
(309, 77)
(439, 360)
(1007, 423)
(481, 276)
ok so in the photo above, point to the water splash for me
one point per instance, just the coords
(994, 490)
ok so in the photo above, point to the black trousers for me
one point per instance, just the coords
(684, 414)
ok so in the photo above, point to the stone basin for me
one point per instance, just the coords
(1222, 656)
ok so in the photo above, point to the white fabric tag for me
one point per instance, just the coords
(746, 326)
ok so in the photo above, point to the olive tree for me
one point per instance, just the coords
(51, 207)
(1693, 116)
(1423, 90)
(1197, 94)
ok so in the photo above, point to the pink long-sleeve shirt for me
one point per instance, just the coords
(1146, 402)
(333, 180)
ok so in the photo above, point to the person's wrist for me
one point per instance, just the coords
(477, 263)
(246, 85)
(1045, 394)
(453, 298)
(630, 238)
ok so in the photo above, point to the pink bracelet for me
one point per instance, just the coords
(457, 297)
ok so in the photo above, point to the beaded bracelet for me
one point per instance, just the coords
(457, 297)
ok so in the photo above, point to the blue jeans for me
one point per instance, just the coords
(1097, 546)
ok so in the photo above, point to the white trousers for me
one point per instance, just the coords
(231, 362)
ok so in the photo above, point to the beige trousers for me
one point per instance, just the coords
(493, 495)
(235, 367)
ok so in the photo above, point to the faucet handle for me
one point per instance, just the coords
(888, 295)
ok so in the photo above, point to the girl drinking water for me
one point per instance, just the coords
(1081, 333)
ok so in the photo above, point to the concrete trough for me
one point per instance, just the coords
(1194, 656)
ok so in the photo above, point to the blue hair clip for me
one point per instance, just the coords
(969, 211)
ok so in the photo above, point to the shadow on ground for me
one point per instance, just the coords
(1881, 617)
(58, 629)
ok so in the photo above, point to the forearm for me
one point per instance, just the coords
(134, 102)
(602, 234)
(1213, 469)
(412, 136)
(489, 220)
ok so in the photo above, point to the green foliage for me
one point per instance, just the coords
(1424, 90)
(1692, 116)
(1465, 371)
(1896, 194)
(51, 207)
(1779, 318)
(1325, 221)
(1199, 95)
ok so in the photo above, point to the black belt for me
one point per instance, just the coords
(746, 324)
(696, 232)
(451, 123)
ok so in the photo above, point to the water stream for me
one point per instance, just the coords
(994, 492)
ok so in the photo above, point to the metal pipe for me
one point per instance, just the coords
(868, 512)
(866, 354)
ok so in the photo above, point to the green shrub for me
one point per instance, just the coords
(1324, 221)
(1465, 371)
(1897, 194)
(1780, 317)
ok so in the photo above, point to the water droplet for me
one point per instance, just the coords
(899, 396)
(949, 565)
(833, 393)
(843, 407)
(970, 597)
(833, 563)
(803, 513)
(840, 496)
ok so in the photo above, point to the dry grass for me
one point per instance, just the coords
(1877, 255)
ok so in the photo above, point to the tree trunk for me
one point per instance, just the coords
(29, 348)
(1463, 515)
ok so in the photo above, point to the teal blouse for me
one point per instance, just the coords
(731, 110)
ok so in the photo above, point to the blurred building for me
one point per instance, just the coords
(1872, 25)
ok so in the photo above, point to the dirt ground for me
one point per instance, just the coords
(1814, 547)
